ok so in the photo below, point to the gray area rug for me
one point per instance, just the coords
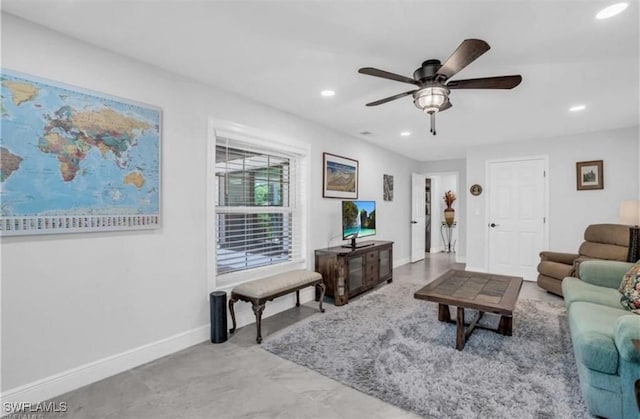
(391, 346)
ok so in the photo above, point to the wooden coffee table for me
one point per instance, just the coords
(487, 293)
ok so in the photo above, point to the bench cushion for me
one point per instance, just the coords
(265, 287)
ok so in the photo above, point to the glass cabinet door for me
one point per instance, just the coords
(356, 274)
(385, 262)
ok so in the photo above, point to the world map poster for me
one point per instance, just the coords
(73, 160)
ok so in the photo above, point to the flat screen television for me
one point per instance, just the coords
(358, 220)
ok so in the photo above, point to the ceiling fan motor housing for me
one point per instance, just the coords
(427, 71)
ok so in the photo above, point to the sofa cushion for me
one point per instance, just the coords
(629, 276)
(630, 288)
(555, 269)
(599, 380)
(604, 273)
(627, 335)
(592, 332)
(575, 289)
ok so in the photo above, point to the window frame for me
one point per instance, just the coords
(267, 142)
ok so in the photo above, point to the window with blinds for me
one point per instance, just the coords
(256, 211)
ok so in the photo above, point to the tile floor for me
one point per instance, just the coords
(238, 379)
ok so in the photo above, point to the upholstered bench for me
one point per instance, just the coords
(260, 291)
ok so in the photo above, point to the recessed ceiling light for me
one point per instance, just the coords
(405, 133)
(612, 10)
(578, 108)
(328, 93)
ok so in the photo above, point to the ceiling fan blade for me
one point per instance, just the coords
(500, 82)
(466, 53)
(390, 98)
(370, 71)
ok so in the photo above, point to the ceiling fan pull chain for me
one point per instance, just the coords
(433, 123)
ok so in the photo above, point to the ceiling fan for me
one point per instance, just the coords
(432, 94)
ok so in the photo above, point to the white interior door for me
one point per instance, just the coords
(517, 194)
(418, 217)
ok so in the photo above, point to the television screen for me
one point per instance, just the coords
(358, 219)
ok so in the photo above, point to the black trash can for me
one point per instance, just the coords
(218, 303)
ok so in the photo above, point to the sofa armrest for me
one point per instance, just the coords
(603, 273)
(560, 257)
(627, 337)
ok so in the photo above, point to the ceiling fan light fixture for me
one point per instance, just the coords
(431, 99)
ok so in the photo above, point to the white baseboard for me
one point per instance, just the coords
(401, 262)
(63, 382)
(77, 377)
(474, 269)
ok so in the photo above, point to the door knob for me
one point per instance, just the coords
(493, 225)
(414, 222)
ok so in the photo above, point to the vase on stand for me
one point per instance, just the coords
(449, 215)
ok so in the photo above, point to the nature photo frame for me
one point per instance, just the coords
(339, 177)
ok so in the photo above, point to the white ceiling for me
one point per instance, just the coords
(283, 53)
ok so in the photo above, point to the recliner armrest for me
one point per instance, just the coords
(626, 332)
(560, 257)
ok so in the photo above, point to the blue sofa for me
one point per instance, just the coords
(605, 338)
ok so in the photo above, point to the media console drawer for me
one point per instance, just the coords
(348, 272)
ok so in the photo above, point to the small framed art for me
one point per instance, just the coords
(589, 175)
(387, 187)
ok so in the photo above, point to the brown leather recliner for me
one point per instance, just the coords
(602, 241)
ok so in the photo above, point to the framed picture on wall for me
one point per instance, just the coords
(75, 160)
(387, 187)
(589, 175)
(339, 177)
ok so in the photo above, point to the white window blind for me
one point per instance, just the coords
(257, 212)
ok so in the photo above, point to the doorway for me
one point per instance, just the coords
(439, 184)
(428, 207)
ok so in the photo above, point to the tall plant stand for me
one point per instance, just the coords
(446, 231)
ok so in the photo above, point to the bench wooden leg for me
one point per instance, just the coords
(232, 301)
(257, 310)
(321, 288)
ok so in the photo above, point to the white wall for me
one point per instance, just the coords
(570, 210)
(71, 303)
